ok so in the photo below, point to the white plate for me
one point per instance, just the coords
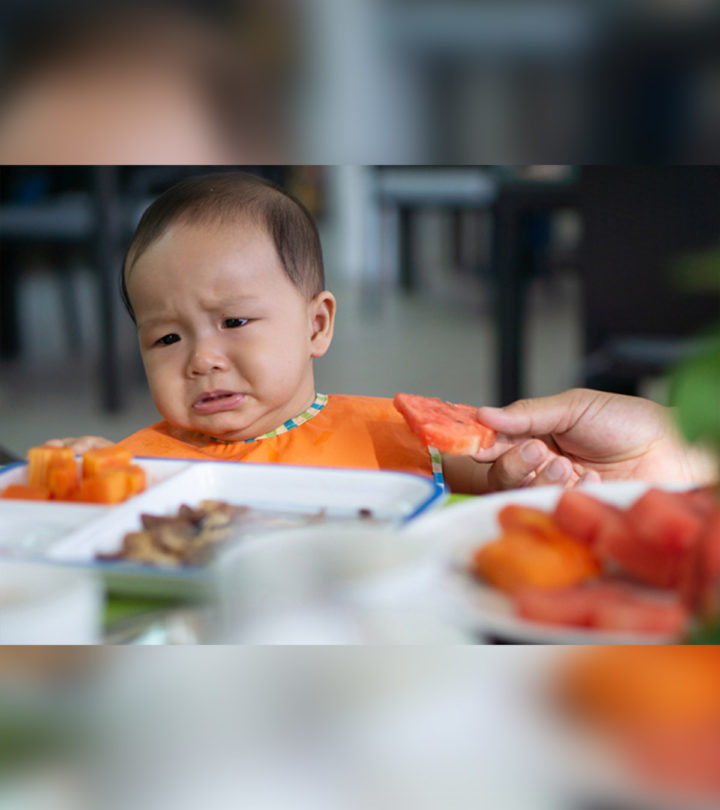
(392, 498)
(29, 528)
(42, 604)
(456, 532)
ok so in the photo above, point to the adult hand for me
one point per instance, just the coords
(80, 444)
(583, 435)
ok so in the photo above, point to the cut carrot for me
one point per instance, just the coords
(100, 458)
(136, 479)
(514, 517)
(520, 559)
(108, 486)
(41, 458)
(26, 492)
(63, 478)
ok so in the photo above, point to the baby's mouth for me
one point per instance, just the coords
(214, 401)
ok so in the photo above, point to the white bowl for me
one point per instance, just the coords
(41, 604)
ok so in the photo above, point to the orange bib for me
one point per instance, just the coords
(337, 431)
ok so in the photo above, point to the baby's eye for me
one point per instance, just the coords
(166, 340)
(234, 323)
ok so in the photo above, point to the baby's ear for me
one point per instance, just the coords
(322, 321)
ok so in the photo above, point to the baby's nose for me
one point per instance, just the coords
(206, 359)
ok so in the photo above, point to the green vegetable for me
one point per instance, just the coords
(695, 393)
(705, 634)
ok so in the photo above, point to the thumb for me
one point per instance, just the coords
(539, 416)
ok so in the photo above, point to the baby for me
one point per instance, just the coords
(224, 280)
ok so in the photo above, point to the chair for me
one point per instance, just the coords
(88, 219)
(403, 191)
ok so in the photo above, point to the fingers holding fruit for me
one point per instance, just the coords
(80, 444)
(563, 472)
(517, 467)
(534, 463)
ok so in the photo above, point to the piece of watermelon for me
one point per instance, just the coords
(635, 611)
(665, 519)
(654, 539)
(702, 500)
(614, 606)
(710, 561)
(449, 427)
(567, 607)
(646, 557)
(582, 516)
(700, 586)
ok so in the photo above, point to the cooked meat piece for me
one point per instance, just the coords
(192, 536)
(195, 516)
(233, 513)
(174, 537)
(142, 547)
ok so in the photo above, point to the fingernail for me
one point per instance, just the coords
(556, 470)
(531, 453)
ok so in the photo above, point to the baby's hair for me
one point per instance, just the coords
(231, 197)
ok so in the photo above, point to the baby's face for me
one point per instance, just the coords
(226, 338)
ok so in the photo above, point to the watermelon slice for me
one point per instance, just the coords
(649, 563)
(605, 606)
(447, 426)
(654, 540)
(703, 500)
(700, 585)
(582, 515)
(666, 520)
(571, 606)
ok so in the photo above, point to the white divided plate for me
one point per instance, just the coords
(389, 496)
(454, 533)
(28, 528)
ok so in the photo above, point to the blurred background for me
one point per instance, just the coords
(294, 728)
(478, 284)
(359, 81)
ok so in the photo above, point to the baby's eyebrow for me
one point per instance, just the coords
(216, 305)
(148, 323)
(224, 303)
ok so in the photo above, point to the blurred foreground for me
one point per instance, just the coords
(359, 81)
(535, 728)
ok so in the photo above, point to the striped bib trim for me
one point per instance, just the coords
(318, 404)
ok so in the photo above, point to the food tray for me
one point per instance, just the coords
(29, 528)
(390, 497)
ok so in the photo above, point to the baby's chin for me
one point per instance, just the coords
(226, 430)
(190, 430)
(234, 425)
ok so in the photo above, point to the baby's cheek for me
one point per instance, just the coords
(163, 393)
